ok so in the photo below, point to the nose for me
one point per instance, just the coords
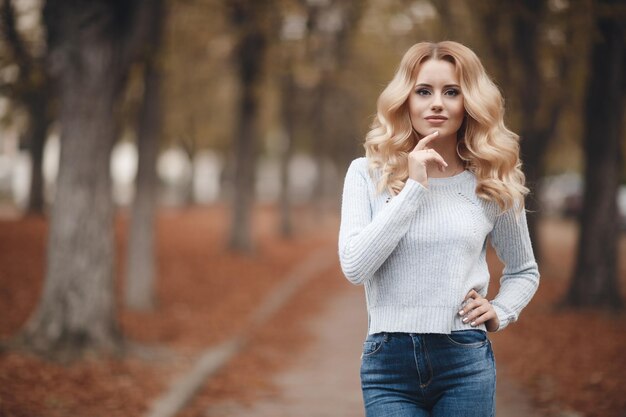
(437, 103)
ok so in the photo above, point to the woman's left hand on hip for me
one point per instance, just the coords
(478, 310)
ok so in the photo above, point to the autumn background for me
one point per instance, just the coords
(170, 181)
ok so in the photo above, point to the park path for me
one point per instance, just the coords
(324, 382)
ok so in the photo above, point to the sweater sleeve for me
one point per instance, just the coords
(366, 241)
(520, 277)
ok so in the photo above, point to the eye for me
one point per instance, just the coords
(422, 92)
(453, 92)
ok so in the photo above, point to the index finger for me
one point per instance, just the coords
(426, 140)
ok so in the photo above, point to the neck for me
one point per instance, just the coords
(446, 147)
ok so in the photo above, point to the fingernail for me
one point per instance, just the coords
(465, 320)
(461, 312)
(473, 323)
(436, 133)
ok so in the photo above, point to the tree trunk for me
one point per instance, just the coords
(77, 306)
(139, 290)
(533, 170)
(288, 92)
(595, 280)
(32, 90)
(139, 293)
(327, 48)
(77, 310)
(250, 51)
(140, 277)
(37, 105)
(533, 143)
(320, 137)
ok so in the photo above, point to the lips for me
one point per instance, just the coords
(436, 120)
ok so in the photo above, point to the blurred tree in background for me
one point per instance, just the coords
(32, 91)
(140, 275)
(91, 46)
(317, 39)
(250, 22)
(595, 280)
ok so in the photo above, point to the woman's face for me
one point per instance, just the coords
(436, 102)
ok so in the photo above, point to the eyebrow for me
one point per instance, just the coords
(445, 86)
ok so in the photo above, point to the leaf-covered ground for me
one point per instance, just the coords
(568, 360)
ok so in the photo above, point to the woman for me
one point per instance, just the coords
(441, 175)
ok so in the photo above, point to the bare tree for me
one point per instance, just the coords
(32, 91)
(287, 37)
(140, 277)
(91, 46)
(248, 18)
(330, 27)
(287, 93)
(595, 280)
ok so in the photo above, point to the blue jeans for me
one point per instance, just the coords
(436, 375)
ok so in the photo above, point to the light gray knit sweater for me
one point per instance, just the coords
(420, 252)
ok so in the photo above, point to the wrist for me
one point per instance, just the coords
(423, 183)
(493, 324)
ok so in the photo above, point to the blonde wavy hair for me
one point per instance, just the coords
(488, 148)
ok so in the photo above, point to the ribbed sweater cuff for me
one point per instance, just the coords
(408, 203)
(413, 188)
(503, 317)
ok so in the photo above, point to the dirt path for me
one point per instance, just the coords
(325, 381)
